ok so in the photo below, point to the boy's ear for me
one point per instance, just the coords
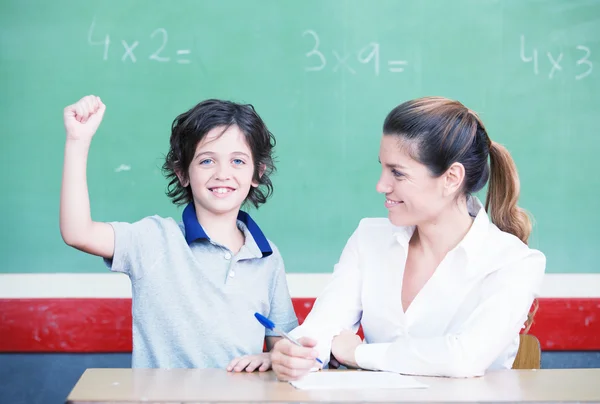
(261, 170)
(183, 180)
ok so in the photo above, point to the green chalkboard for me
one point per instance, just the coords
(323, 74)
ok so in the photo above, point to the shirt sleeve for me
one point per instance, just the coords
(507, 298)
(339, 306)
(282, 310)
(136, 246)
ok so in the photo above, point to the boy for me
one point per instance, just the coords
(195, 284)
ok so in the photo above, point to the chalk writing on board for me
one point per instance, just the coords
(165, 37)
(159, 37)
(320, 65)
(123, 167)
(585, 61)
(105, 42)
(347, 62)
(579, 68)
(129, 51)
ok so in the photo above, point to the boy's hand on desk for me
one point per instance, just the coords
(250, 363)
(83, 118)
(343, 347)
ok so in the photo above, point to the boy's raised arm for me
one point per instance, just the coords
(76, 225)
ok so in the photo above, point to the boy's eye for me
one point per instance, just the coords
(205, 162)
(238, 162)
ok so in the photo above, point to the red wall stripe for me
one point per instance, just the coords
(104, 325)
(568, 324)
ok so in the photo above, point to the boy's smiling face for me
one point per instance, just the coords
(221, 172)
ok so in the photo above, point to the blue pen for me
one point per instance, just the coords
(271, 326)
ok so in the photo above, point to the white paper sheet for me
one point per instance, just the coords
(356, 380)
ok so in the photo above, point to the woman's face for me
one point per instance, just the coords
(413, 195)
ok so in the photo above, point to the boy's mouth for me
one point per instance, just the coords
(221, 190)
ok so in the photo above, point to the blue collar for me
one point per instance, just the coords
(194, 230)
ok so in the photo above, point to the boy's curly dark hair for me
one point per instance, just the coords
(189, 129)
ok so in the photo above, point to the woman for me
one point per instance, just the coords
(438, 288)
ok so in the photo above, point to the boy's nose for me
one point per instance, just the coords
(222, 173)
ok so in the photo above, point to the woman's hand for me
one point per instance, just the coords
(343, 347)
(292, 362)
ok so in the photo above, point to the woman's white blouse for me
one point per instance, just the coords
(464, 321)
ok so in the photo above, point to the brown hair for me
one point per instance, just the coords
(503, 194)
(531, 315)
(190, 127)
(443, 132)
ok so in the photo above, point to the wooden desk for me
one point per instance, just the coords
(218, 386)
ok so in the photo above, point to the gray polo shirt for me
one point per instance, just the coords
(193, 301)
